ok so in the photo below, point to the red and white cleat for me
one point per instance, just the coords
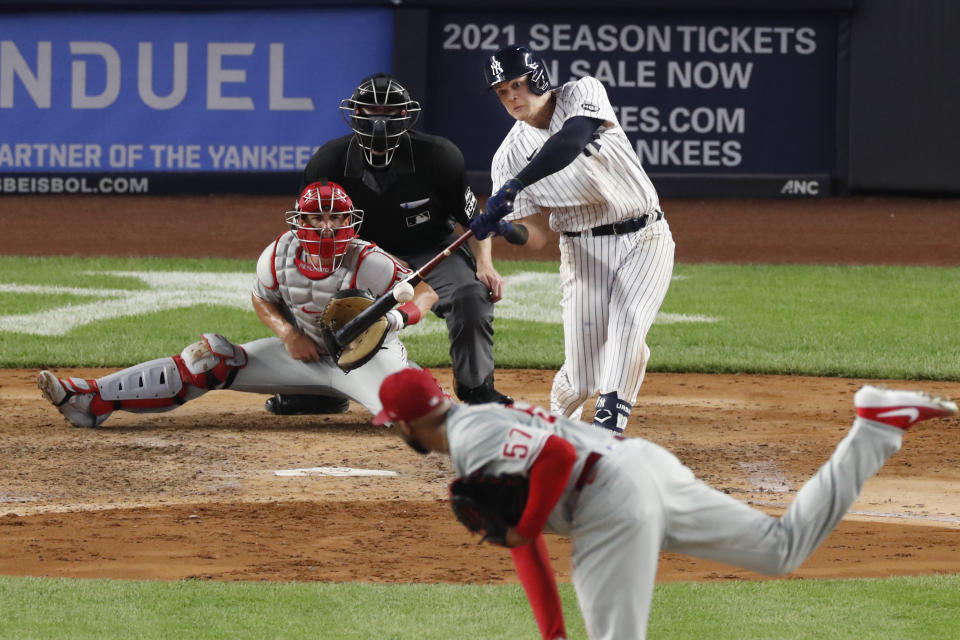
(71, 397)
(901, 409)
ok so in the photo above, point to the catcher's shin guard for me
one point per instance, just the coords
(165, 383)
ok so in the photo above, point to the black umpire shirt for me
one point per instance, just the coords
(409, 206)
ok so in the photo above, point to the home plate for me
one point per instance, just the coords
(333, 471)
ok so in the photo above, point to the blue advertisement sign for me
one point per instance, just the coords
(697, 94)
(248, 91)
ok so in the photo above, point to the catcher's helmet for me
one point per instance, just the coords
(380, 111)
(513, 62)
(329, 244)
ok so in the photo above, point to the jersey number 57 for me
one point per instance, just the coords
(517, 444)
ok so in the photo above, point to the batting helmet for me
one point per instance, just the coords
(380, 111)
(327, 243)
(513, 62)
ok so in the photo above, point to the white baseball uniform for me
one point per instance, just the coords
(612, 284)
(261, 366)
(303, 294)
(627, 499)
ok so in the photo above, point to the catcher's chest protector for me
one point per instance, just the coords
(304, 297)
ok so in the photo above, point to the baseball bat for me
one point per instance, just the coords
(518, 233)
(362, 321)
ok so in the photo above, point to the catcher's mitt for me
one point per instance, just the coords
(489, 504)
(341, 309)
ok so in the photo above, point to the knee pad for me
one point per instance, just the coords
(212, 362)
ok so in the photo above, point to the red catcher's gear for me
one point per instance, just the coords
(328, 244)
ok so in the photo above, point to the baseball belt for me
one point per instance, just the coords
(588, 473)
(618, 228)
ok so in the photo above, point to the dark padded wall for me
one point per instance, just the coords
(905, 96)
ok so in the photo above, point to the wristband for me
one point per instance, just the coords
(410, 311)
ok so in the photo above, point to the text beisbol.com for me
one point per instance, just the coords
(54, 184)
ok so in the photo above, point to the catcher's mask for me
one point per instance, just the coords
(408, 394)
(380, 111)
(325, 221)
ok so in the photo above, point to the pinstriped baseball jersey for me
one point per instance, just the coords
(605, 184)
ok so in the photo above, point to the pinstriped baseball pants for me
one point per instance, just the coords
(612, 288)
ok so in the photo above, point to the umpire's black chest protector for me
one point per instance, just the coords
(411, 205)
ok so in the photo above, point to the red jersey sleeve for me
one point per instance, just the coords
(536, 575)
(548, 478)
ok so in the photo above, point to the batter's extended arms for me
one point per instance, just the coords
(384, 303)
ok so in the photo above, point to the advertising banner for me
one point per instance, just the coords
(698, 95)
(124, 102)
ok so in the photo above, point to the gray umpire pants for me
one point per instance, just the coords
(466, 307)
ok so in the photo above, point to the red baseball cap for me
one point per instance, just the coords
(408, 394)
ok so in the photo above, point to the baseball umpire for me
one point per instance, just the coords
(567, 154)
(301, 277)
(412, 188)
(623, 500)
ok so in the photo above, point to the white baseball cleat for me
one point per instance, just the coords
(901, 409)
(71, 397)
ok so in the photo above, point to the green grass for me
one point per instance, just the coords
(879, 322)
(897, 608)
(873, 322)
(921, 608)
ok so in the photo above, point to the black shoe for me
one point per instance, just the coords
(288, 404)
(483, 394)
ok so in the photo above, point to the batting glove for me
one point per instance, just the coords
(484, 226)
(500, 204)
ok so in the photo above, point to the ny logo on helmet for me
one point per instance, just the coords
(495, 67)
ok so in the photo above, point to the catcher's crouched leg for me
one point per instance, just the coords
(166, 383)
(157, 385)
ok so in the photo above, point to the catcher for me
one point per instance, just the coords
(310, 281)
(522, 471)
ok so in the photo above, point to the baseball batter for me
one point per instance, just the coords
(297, 275)
(568, 156)
(623, 500)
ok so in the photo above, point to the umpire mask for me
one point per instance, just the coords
(380, 111)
